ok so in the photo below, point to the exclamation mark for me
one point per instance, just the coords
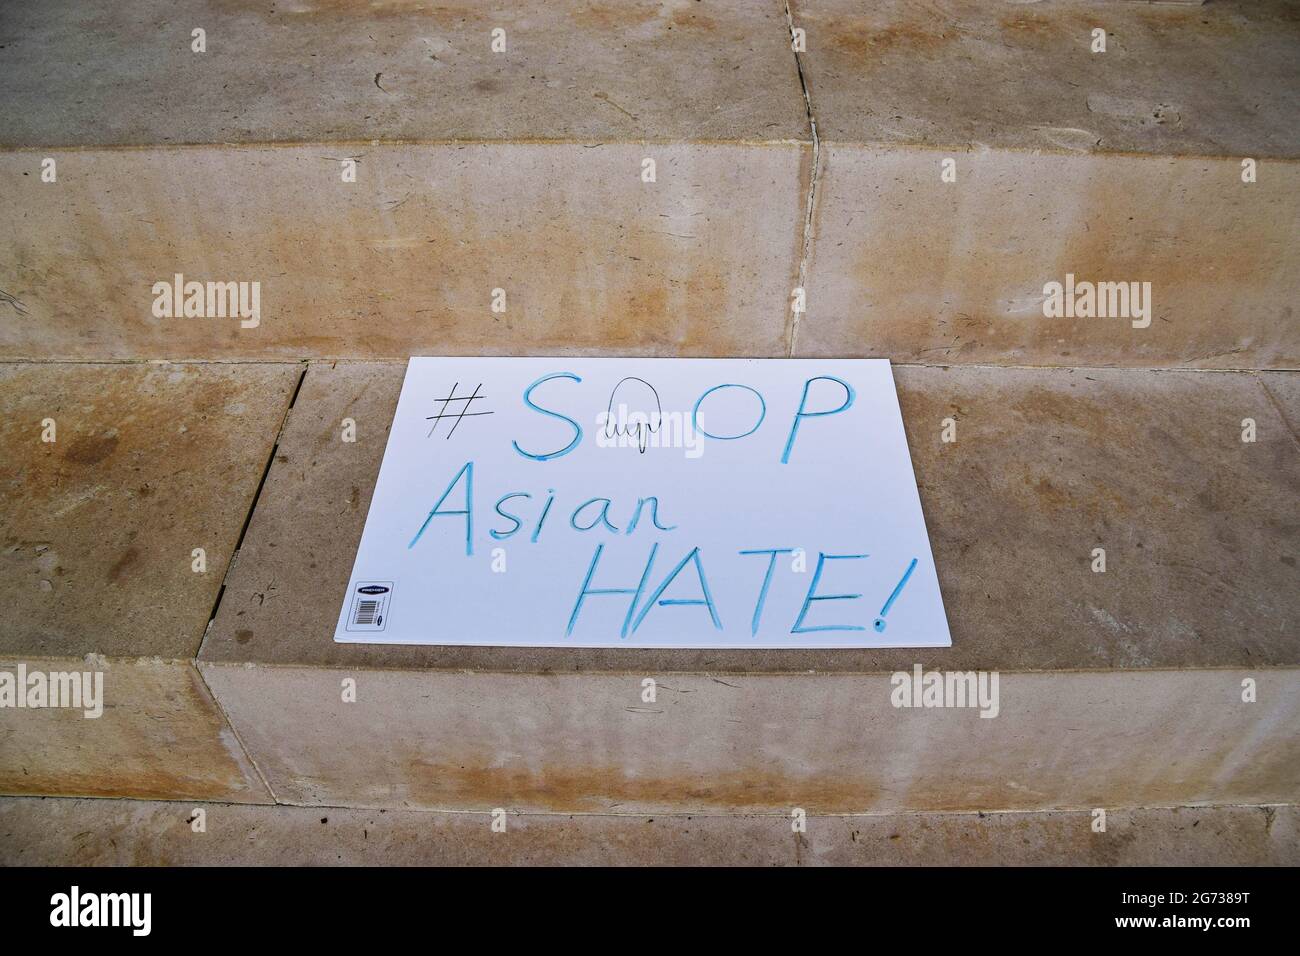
(880, 621)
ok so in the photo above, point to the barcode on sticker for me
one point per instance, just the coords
(370, 601)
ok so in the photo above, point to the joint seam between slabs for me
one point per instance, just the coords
(230, 567)
(1281, 412)
(792, 324)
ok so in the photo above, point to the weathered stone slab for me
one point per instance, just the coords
(121, 833)
(1217, 80)
(475, 170)
(408, 258)
(160, 736)
(97, 567)
(399, 70)
(1116, 166)
(734, 742)
(906, 266)
(149, 462)
(1284, 389)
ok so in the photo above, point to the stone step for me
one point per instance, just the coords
(1136, 672)
(523, 171)
(1122, 688)
(36, 832)
(476, 170)
(1115, 166)
(98, 571)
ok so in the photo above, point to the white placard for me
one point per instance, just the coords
(713, 503)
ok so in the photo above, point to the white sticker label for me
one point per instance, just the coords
(370, 600)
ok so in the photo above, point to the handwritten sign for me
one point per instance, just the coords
(646, 503)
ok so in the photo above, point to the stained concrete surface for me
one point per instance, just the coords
(148, 463)
(160, 736)
(77, 74)
(908, 267)
(1213, 80)
(1284, 390)
(727, 742)
(405, 260)
(1122, 166)
(1200, 530)
(119, 833)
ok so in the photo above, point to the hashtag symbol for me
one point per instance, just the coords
(463, 413)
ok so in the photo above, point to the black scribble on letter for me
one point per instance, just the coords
(464, 409)
(638, 423)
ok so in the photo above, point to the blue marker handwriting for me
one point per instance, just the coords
(686, 585)
(673, 585)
